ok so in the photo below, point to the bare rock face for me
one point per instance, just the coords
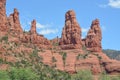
(112, 66)
(3, 17)
(94, 36)
(33, 37)
(33, 32)
(14, 22)
(33, 27)
(71, 34)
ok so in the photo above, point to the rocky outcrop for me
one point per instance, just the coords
(33, 37)
(33, 27)
(112, 66)
(3, 17)
(14, 23)
(71, 34)
(94, 36)
(71, 60)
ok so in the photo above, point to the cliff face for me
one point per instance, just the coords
(11, 26)
(69, 55)
(3, 17)
(87, 52)
(71, 34)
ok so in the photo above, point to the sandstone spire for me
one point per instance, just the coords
(71, 34)
(14, 22)
(94, 36)
(33, 27)
(3, 18)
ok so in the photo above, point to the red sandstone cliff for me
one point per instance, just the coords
(3, 17)
(76, 58)
(33, 37)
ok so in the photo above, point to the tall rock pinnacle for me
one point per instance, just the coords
(71, 34)
(94, 37)
(14, 22)
(3, 17)
(33, 27)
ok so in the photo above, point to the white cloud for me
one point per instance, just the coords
(85, 30)
(38, 25)
(41, 26)
(111, 3)
(114, 3)
(45, 29)
(48, 31)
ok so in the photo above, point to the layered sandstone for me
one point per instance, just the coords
(14, 23)
(71, 34)
(33, 37)
(76, 59)
(3, 17)
(94, 37)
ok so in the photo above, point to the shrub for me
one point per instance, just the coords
(5, 38)
(34, 53)
(104, 76)
(79, 56)
(64, 55)
(82, 75)
(55, 44)
(4, 75)
(53, 59)
(1, 60)
(22, 74)
(115, 78)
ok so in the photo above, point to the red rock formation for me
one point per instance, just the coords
(3, 18)
(33, 27)
(14, 23)
(33, 32)
(94, 36)
(71, 34)
(96, 61)
(112, 67)
(33, 37)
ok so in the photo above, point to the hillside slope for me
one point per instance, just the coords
(113, 54)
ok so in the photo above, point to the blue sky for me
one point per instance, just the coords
(50, 16)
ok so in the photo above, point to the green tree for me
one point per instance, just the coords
(64, 58)
(22, 74)
(4, 75)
